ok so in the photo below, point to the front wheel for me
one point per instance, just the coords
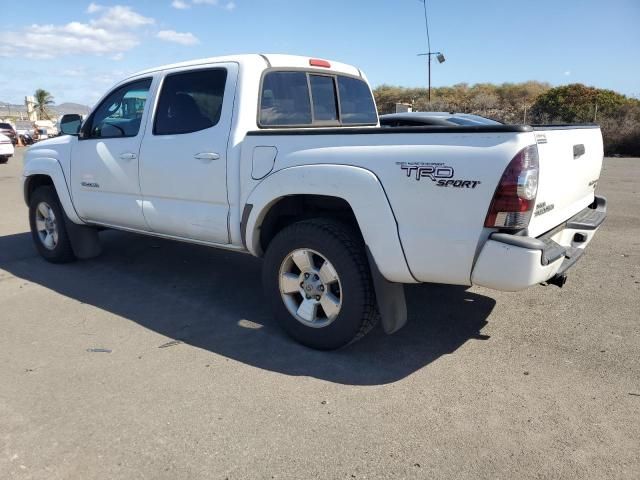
(48, 230)
(318, 281)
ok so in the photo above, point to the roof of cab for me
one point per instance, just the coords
(271, 60)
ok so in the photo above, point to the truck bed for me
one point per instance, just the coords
(441, 227)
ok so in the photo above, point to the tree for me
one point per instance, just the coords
(536, 102)
(617, 115)
(43, 99)
(577, 103)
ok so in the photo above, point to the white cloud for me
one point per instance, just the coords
(111, 33)
(94, 7)
(49, 41)
(227, 5)
(187, 38)
(120, 17)
(73, 72)
(567, 73)
(180, 4)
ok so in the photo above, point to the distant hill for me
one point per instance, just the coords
(16, 110)
(70, 107)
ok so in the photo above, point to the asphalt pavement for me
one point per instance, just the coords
(160, 360)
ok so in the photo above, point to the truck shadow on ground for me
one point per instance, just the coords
(212, 299)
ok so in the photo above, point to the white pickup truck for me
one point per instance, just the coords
(283, 157)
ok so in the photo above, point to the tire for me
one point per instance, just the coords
(4, 160)
(57, 249)
(321, 240)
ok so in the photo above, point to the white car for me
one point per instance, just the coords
(283, 157)
(6, 148)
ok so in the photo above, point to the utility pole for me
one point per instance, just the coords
(426, 24)
(439, 55)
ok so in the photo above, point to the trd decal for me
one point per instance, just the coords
(433, 172)
(459, 183)
(90, 184)
(439, 173)
(543, 208)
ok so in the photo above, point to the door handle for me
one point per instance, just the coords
(206, 156)
(128, 156)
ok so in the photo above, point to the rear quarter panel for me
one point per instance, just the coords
(440, 227)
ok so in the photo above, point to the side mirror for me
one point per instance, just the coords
(70, 124)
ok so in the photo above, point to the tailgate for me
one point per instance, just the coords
(570, 162)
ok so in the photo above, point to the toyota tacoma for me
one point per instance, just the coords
(283, 157)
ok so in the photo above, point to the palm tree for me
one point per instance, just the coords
(43, 98)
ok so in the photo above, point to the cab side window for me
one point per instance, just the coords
(190, 101)
(120, 114)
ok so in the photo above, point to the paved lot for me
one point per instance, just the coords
(480, 384)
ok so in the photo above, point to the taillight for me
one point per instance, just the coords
(515, 197)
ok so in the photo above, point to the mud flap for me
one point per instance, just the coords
(84, 240)
(390, 297)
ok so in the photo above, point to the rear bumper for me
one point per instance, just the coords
(512, 262)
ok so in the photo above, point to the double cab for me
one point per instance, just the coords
(283, 157)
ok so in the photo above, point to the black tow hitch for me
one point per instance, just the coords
(558, 280)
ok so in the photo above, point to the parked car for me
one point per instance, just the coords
(6, 148)
(46, 128)
(282, 157)
(445, 119)
(41, 134)
(7, 130)
(25, 137)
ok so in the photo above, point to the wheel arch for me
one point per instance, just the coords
(47, 171)
(293, 208)
(32, 182)
(354, 194)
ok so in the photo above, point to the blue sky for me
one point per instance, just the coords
(78, 49)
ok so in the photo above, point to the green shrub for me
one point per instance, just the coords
(531, 102)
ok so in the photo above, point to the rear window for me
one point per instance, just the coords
(6, 126)
(325, 105)
(314, 99)
(285, 99)
(356, 103)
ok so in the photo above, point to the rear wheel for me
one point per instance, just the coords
(4, 159)
(48, 230)
(317, 278)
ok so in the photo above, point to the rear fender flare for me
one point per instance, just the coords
(359, 187)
